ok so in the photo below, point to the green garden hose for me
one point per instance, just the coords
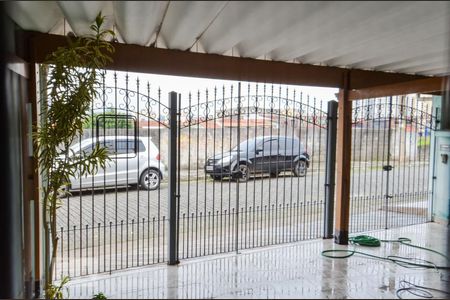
(370, 241)
(407, 262)
(365, 240)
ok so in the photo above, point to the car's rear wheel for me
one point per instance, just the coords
(150, 179)
(300, 168)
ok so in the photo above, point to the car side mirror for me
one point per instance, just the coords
(258, 151)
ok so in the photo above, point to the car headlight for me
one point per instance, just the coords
(225, 161)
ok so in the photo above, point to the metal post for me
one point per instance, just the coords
(173, 101)
(238, 168)
(330, 171)
(388, 167)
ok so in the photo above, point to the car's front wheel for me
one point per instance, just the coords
(300, 168)
(150, 179)
(216, 177)
(243, 173)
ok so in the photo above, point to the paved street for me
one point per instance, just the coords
(196, 196)
(203, 195)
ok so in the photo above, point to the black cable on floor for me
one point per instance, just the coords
(417, 290)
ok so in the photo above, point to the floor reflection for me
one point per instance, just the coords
(289, 271)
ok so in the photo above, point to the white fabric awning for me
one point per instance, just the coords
(397, 36)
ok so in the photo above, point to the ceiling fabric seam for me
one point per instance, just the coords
(66, 19)
(209, 25)
(161, 24)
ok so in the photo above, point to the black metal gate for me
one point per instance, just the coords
(241, 183)
(390, 163)
(165, 196)
(111, 221)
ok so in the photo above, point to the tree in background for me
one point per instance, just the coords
(110, 119)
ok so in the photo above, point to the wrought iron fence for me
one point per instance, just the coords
(232, 168)
(390, 163)
(221, 211)
(112, 220)
(117, 221)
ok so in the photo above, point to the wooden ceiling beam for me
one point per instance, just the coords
(134, 58)
(424, 86)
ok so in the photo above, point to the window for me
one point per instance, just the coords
(109, 145)
(291, 144)
(271, 146)
(87, 150)
(141, 146)
(125, 146)
(284, 143)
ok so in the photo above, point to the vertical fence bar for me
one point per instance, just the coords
(173, 103)
(388, 167)
(238, 139)
(178, 176)
(433, 126)
(330, 170)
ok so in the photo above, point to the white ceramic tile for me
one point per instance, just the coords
(287, 271)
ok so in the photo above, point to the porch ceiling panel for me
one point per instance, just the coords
(238, 22)
(137, 21)
(273, 33)
(186, 21)
(29, 14)
(328, 26)
(81, 14)
(370, 28)
(395, 36)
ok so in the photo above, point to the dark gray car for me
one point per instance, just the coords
(265, 154)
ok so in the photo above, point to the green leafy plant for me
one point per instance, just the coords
(72, 83)
(99, 296)
(55, 291)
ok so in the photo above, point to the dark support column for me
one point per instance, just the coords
(330, 169)
(344, 144)
(11, 202)
(173, 239)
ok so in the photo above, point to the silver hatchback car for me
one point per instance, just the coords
(133, 162)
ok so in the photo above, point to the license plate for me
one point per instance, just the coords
(209, 168)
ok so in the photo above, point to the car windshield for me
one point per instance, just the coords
(251, 144)
(76, 148)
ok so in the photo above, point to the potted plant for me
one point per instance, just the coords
(71, 85)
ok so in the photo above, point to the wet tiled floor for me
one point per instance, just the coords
(296, 270)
